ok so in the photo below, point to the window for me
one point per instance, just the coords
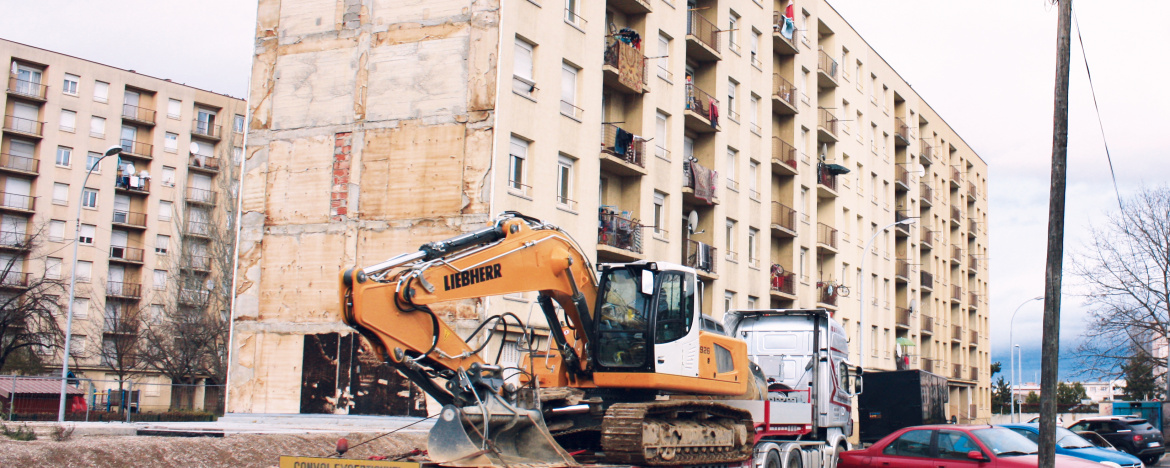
(171, 142)
(804, 209)
(661, 124)
(659, 212)
(753, 179)
(68, 121)
(56, 230)
(517, 156)
(61, 194)
(804, 73)
(522, 81)
(732, 174)
(70, 85)
(955, 445)
(174, 108)
(64, 154)
(732, 89)
(80, 310)
(97, 127)
(160, 279)
(85, 236)
(84, 271)
(53, 268)
(162, 244)
(752, 247)
(728, 300)
(804, 263)
(675, 314)
(756, 47)
(572, 13)
(730, 235)
(238, 123)
(754, 118)
(752, 302)
(565, 182)
(165, 210)
(101, 91)
(664, 57)
(733, 33)
(804, 16)
(569, 91)
(168, 176)
(89, 198)
(911, 444)
(156, 313)
(77, 345)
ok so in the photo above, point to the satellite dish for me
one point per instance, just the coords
(913, 305)
(920, 171)
(693, 220)
(194, 147)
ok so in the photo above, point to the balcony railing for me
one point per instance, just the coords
(138, 114)
(15, 240)
(128, 254)
(902, 176)
(133, 183)
(974, 376)
(198, 263)
(623, 145)
(193, 297)
(901, 131)
(927, 237)
(825, 178)
(17, 201)
(957, 292)
(827, 121)
(956, 214)
(972, 299)
(927, 324)
(19, 163)
(619, 231)
(206, 129)
(902, 268)
(14, 279)
(198, 228)
(137, 148)
(207, 163)
(692, 180)
(957, 371)
(826, 235)
(971, 192)
(973, 226)
(783, 216)
(629, 61)
(927, 279)
(120, 289)
(824, 296)
(956, 176)
(28, 89)
(785, 90)
(699, 102)
(783, 282)
(778, 21)
(703, 29)
(926, 193)
(928, 364)
(956, 253)
(902, 316)
(783, 152)
(972, 262)
(202, 196)
(926, 151)
(130, 218)
(700, 256)
(826, 64)
(13, 123)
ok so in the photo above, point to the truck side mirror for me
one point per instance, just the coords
(647, 282)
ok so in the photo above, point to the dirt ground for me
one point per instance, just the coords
(243, 450)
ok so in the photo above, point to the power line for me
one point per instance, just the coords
(1100, 123)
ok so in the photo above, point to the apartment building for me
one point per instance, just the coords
(145, 215)
(764, 149)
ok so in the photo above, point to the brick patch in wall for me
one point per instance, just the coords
(339, 194)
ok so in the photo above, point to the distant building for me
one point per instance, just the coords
(1106, 390)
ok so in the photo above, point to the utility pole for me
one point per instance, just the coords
(1050, 354)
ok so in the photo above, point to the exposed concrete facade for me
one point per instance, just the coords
(442, 113)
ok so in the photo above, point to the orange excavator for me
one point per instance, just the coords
(633, 374)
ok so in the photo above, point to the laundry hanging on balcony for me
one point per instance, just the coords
(630, 66)
(713, 113)
(621, 142)
(702, 180)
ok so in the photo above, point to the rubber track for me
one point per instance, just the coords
(621, 436)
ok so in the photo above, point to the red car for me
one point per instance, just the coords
(953, 446)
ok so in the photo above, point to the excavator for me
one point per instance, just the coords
(633, 371)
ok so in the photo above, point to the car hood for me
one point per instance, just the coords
(1032, 461)
(1099, 454)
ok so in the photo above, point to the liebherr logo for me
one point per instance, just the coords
(470, 277)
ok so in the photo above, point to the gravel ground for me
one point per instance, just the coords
(241, 450)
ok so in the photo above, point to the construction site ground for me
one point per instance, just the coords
(233, 441)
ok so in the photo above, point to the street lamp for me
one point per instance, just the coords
(1011, 332)
(861, 290)
(111, 151)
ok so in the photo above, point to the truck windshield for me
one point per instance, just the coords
(622, 319)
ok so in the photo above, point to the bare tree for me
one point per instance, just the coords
(1126, 271)
(122, 328)
(29, 306)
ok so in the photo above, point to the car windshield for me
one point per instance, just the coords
(1070, 440)
(1004, 442)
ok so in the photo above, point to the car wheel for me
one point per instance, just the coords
(1151, 460)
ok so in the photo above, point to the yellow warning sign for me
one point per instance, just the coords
(317, 462)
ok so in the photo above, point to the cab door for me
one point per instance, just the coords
(676, 325)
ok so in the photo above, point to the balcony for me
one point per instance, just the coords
(974, 376)
(619, 236)
(126, 254)
(929, 365)
(630, 7)
(826, 126)
(129, 219)
(702, 38)
(956, 293)
(194, 298)
(780, 44)
(198, 263)
(783, 284)
(206, 130)
(926, 241)
(120, 290)
(784, 96)
(925, 153)
(13, 240)
(956, 178)
(972, 302)
(701, 257)
(901, 230)
(902, 270)
(902, 317)
(826, 70)
(702, 111)
(698, 185)
(901, 132)
(973, 264)
(956, 254)
(622, 152)
(927, 325)
(826, 296)
(624, 67)
(972, 193)
(957, 371)
(198, 229)
(138, 115)
(901, 178)
(783, 157)
(927, 281)
(19, 164)
(925, 195)
(133, 185)
(201, 163)
(137, 150)
(956, 216)
(974, 341)
(783, 220)
(26, 127)
(200, 196)
(826, 237)
(826, 182)
(26, 89)
(15, 280)
(17, 202)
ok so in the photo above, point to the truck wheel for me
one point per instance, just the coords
(772, 460)
(836, 456)
(793, 460)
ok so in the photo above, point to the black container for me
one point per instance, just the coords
(897, 399)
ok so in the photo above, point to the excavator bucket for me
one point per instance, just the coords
(513, 436)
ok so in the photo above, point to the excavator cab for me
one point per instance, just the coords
(647, 319)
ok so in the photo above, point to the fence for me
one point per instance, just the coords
(137, 399)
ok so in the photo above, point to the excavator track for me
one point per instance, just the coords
(670, 433)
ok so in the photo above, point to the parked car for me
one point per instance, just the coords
(954, 446)
(1134, 436)
(1073, 445)
(1036, 420)
(1097, 440)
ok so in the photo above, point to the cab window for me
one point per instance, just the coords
(622, 319)
(911, 444)
(674, 310)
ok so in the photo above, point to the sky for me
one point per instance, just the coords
(988, 68)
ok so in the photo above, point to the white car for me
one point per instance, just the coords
(1059, 421)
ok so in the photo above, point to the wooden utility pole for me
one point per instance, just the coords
(1050, 354)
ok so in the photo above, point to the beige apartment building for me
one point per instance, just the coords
(694, 132)
(146, 215)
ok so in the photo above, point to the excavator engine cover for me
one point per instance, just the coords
(515, 436)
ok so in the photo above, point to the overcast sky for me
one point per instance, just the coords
(987, 68)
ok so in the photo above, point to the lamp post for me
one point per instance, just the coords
(1012, 356)
(861, 289)
(111, 151)
(1018, 371)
